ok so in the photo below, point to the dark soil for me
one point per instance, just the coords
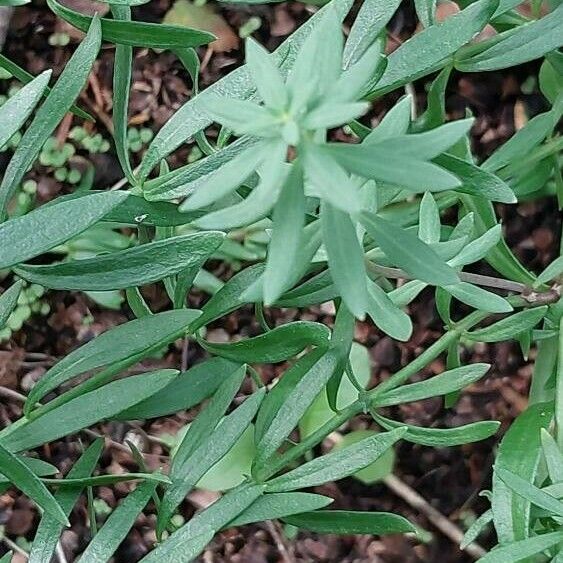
(449, 479)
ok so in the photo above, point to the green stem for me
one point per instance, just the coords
(559, 389)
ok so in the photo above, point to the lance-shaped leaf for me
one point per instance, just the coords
(186, 543)
(478, 248)
(140, 265)
(386, 315)
(520, 550)
(476, 528)
(407, 251)
(442, 437)
(18, 108)
(336, 465)
(190, 469)
(519, 452)
(24, 479)
(509, 328)
(188, 389)
(279, 505)
(552, 271)
(348, 522)
(48, 226)
(479, 298)
(37, 466)
(49, 530)
(431, 49)
(528, 42)
(58, 102)
(134, 340)
(117, 526)
(447, 382)
(86, 409)
(136, 34)
(8, 301)
(553, 457)
(276, 345)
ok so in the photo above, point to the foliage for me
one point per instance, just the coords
(320, 220)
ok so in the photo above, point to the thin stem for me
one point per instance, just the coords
(559, 390)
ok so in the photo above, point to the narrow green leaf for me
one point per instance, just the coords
(287, 236)
(336, 465)
(186, 474)
(277, 345)
(395, 122)
(426, 11)
(18, 108)
(87, 409)
(348, 522)
(44, 228)
(432, 48)
(49, 530)
(8, 301)
(519, 550)
(110, 479)
(478, 248)
(372, 18)
(479, 298)
(429, 225)
(345, 258)
(140, 265)
(553, 457)
(447, 382)
(24, 479)
(117, 526)
(186, 543)
(443, 437)
(136, 34)
(48, 116)
(408, 251)
(134, 339)
(530, 41)
(476, 528)
(509, 328)
(554, 270)
(279, 505)
(37, 466)
(295, 403)
(519, 452)
(386, 315)
(184, 392)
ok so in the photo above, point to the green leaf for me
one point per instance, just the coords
(479, 298)
(345, 258)
(49, 530)
(408, 251)
(48, 116)
(279, 505)
(136, 34)
(429, 226)
(295, 403)
(476, 528)
(519, 452)
(25, 77)
(287, 236)
(277, 345)
(478, 248)
(554, 270)
(336, 465)
(191, 117)
(7, 557)
(117, 526)
(475, 180)
(386, 315)
(131, 340)
(509, 328)
(348, 522)
(186, 543)
(37, 466)
(530, 492)
(447, 382)
(553, 457)
(140, 265)
(86, 409)
(371, 20)
(102, 480)
(426, 11)
(395, 122)
(24, 479)
(191, 468)
(530, 41)
(432, 48)
(122, 69)
(376, 162)
(228, 298)
(8, 301)
(519, 550)
(226, 179)
(334, 114)
(443, 437)
(184, 392)
(44, 228)
(18, 108)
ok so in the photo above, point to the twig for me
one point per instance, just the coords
(11, 394)
(60, 553)
(283, 549)
(15, 547)
(184, 360)
(447, 527)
